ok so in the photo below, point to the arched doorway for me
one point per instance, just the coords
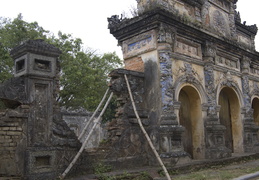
(255, 106)
(190, 116)
(229, 116)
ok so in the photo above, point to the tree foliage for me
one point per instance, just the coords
(13, 33)
(83, 78)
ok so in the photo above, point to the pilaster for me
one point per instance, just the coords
(215, 142)
(250, 128)
(170, 131)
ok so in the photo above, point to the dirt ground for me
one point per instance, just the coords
(222, 169)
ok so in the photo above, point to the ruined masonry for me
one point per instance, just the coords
(194, 75)
(35, 143)
(196, 80)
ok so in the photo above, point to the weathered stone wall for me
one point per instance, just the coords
(37, 143)
(200, 75)
(78, 119)
(12, 142)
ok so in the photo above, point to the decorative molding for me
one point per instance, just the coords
(166, 34)
(226, 79)
(189, 73)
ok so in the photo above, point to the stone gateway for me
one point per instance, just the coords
(194, 75)
(200, 76)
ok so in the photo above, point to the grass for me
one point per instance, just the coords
(217, 171)
(216, 174)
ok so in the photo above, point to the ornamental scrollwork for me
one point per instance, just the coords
(166, 34)
(245, 64)
(190, 73)
(219, 22)
(226, 79)
(209, 82)
(210, 50)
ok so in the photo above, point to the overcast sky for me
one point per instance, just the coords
(87, 19)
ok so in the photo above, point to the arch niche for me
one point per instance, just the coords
(190, 116)
(230, 117)
(255, 106)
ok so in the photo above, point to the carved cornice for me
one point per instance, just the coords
(38, 46)
(196, 3)
(249, 30)
(12, 92)
(152, 20)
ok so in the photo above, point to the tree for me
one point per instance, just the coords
(84, 73)
(13, 33)
(83, 77)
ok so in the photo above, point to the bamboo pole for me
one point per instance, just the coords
(84, 144)
(144, 131)
(97, 109)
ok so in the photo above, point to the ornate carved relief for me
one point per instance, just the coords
(254, 69)
(227, 62)
(232, 23)
(246, 96)
(41, 115)
(219, 22)
(210, 50)
(139, 44)
(222, 4)
(190, 74)
(188, 48)
(226, 79)
(209, 83)
(166, 34)
(246, 64)
(205, 13)
(166, 81)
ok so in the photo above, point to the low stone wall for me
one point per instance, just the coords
(12, 142)
(77, 120)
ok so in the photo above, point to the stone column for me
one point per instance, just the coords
(170, 131)
(49, 141)
(215, 143)
(125, 137)
(250, 128)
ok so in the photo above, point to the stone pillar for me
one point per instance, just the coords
(170, 131)
(50, 144)
(250, 128)
(215, 143)
(125, 137)
(38, 65)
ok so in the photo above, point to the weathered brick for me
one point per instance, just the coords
(2, 132)
(13, 144)
(9, 148)
(7, 140)
(7, 137)
(16, 137)
(135, 64)
(12, 124)
(12, 128)
(5, 128)
(18, 128)
(5, 144)
(13, 133)
(25, 106)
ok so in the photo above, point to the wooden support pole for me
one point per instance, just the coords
(86, 140)
(144, 131)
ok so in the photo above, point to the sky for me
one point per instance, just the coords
(87, 19)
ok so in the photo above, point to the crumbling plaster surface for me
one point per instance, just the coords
(202, 45)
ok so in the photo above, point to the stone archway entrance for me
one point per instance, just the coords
(190, 116)
(229, 116)
(255, 106)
